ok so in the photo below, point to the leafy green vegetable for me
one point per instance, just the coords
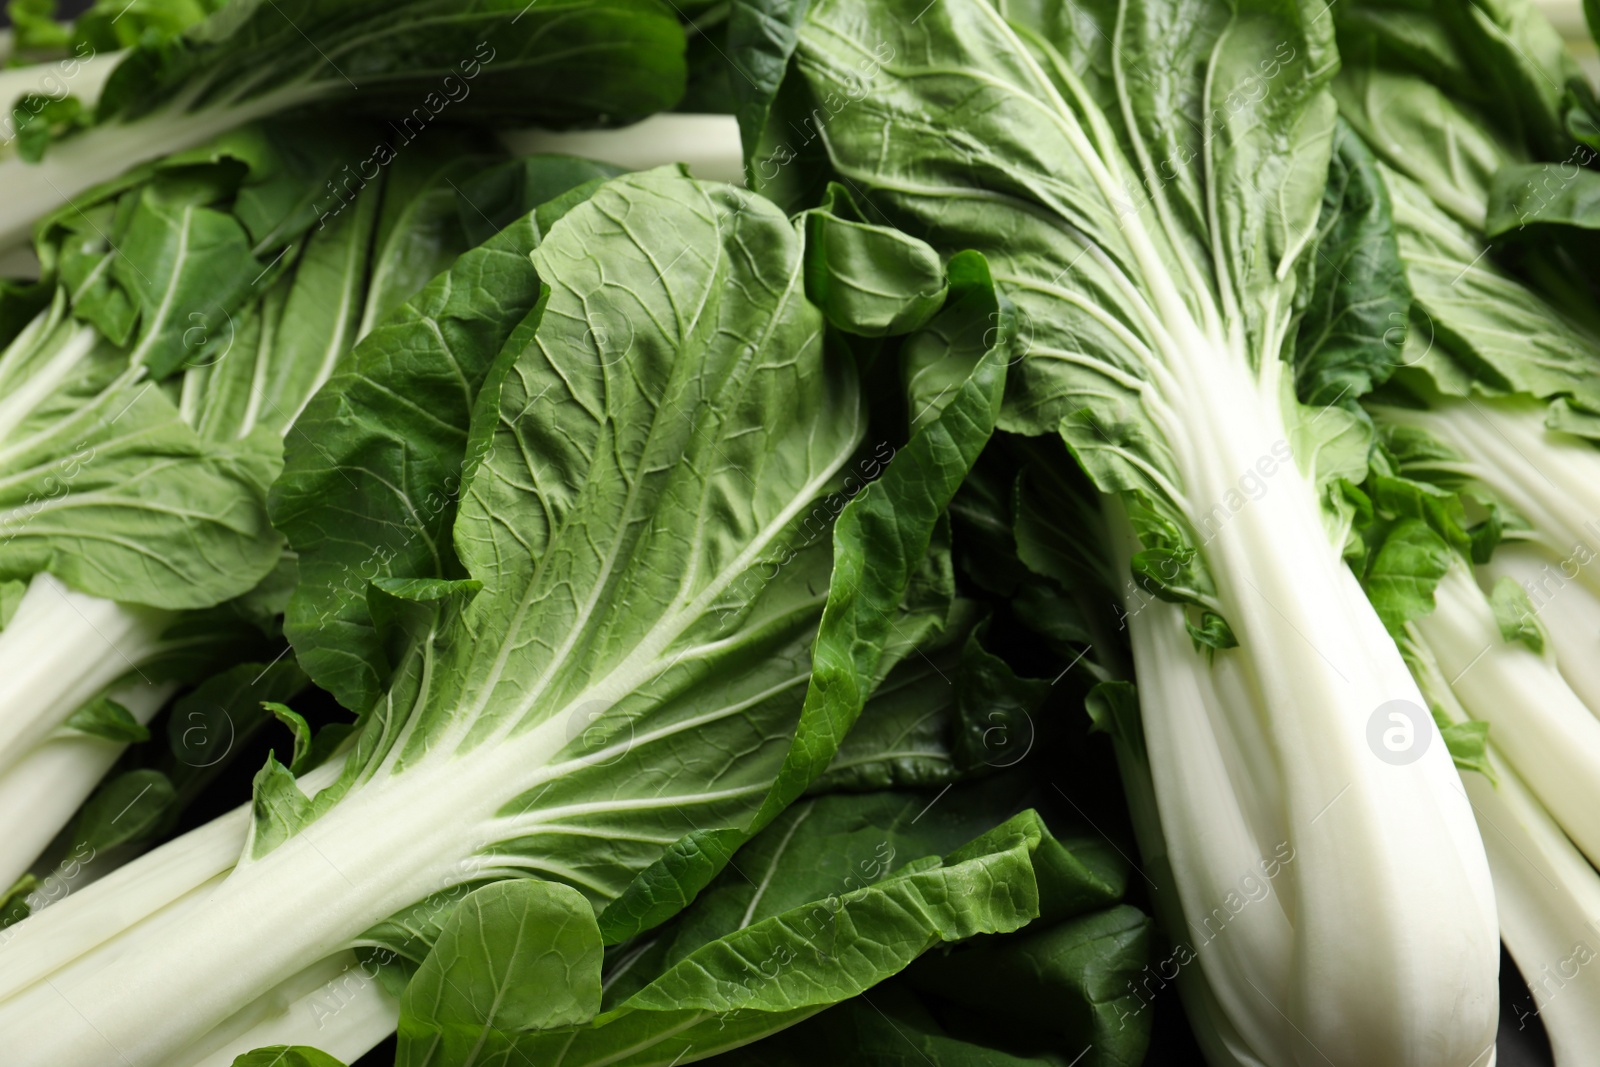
(561, 63)
(547, 711)
(1146, 191)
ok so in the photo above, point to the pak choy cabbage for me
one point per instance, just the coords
(633, 632)
(1150, 202)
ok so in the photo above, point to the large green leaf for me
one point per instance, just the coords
(397, 465)
(104, 485)
(880, 542)
(1356, 298)
(841, 893)
(1485, 330)
(1050, 146)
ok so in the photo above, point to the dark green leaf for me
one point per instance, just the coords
(104, 717)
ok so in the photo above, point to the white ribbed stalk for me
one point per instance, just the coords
(1547, 894)
(1389, 887)
(1568, 609)
(1534, 717)
(138, 1000)
(336, 1006)
(40, 792)
(60, 650)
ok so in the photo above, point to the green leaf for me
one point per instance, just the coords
(1357, 298)
(778, 959)
(517, 955)
(14, 905)
(298, 727)
(399, 465)
(286, 1056)
(278, 808)
(1542, 195)
(105, 718)
(997, 709)
(1468, 742)
(110, 490)
(11, 594)
(1514, 614)
(210, 723)
(761, 37)
(1075, 981)
(494, 199)
(1490, 333)
(122, 810)
(879, 539)
(1405, 569)
(869, 280)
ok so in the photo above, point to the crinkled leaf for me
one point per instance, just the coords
(868, 279)
(761, 37)
(1404, 571)
(880, 540)
(1356, 300)
(396, 465)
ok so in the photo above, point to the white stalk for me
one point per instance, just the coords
(707, 144)
(80, 162)
(1389, 886)
(1568, 609)
(41, 791)
(393, 840)
(62, 649)
(1548, 895)
(336, 1006)
(1549, 901)
(1534, 717)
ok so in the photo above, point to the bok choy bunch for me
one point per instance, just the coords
(610, 648)
(1159, 269)
(1484, 484)
(147, 424)
(417, 64)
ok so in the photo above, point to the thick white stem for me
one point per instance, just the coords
(1389, 886)
(138, 999)
(336, 1006)
(83, 161)
(1549, 901)
(40, 793)
(96, 916)
(62, 649)
(1534, 717)
(1568, 609)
